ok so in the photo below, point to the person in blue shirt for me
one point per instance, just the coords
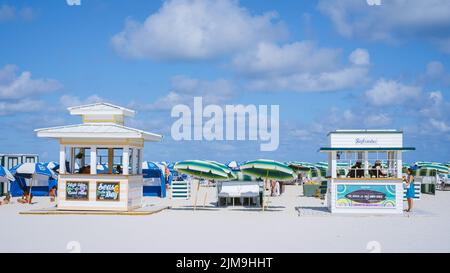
(409, 179)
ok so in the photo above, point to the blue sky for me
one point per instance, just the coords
(328, 64)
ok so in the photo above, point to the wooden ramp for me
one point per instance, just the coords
(137, 212)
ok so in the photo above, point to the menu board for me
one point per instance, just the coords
(374, 196)
(77, 190)
(108, 191)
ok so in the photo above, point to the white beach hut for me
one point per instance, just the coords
(367, 187)
(102, 137)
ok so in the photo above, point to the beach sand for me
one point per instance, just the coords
(230, 229)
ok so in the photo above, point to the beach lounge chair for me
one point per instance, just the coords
(240, 190)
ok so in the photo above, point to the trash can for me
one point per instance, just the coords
(310, 190)
(428, 188)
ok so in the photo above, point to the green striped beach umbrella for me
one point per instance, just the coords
(231, 175)
(424, 172)
(428, 163)
(202, 169)
(264, 168)
(324, 165)
(243, 177)
(318, 172)
(438, 167)
(268, 169)
(298, 166)
(341, 168)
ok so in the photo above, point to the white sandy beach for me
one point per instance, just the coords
(231, 229)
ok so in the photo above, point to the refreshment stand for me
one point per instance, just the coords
(373, 181)
(100, 159)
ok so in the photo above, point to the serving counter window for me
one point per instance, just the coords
(107, 159)
(356, 164)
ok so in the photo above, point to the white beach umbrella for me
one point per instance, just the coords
(234, 165)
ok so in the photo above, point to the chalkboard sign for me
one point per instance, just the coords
(77, 190)
(108, 191)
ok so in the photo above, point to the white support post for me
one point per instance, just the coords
(140, 161)
(125, 159)
(366, 163)
(333, 164)
(399, 164)
(94, 160)
(134, 162)
(62, 159)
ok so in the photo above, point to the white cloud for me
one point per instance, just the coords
(440, 125)
(184, 89)
(20, 106)
(70, 100)
(302, 67)
(392, 21)
(377, 120)
(360, 56)
(196, 30)
(13, 86)
(309, 82)
(435, 74)
(390, 92)
(434, 105)
(297, 57)
(8, 13)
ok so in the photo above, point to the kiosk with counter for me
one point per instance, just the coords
(100, 159)
(373, 181)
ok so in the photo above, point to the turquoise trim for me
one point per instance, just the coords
(325, 149)
(365, 132)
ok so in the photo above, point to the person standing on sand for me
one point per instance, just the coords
(409, 189)
(52, 194)
(6, 200)
(166, 176)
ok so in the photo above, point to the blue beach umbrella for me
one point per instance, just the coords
(170, 166)
(5, 175)
(52, 165)
(102, 169)
(28, 170)
(32, 171)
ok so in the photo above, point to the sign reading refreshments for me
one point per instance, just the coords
(365, 141)
(108, 191)
(77, 190)
(376, 196)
